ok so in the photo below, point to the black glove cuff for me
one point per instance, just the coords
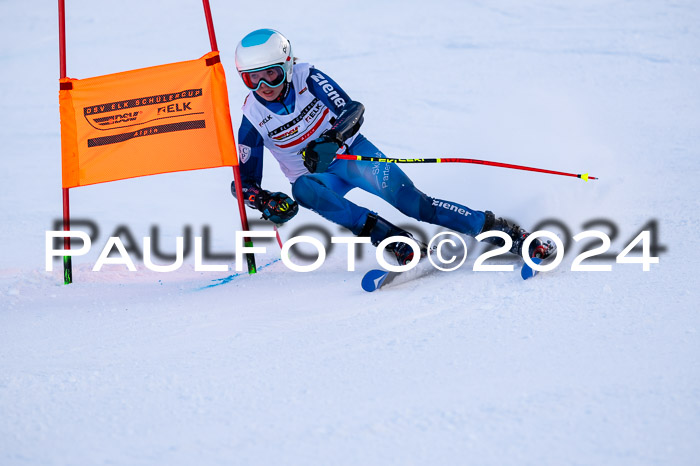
(261, 199)
(333, 136)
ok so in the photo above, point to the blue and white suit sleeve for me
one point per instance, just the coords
(327, 91)
(250, 154)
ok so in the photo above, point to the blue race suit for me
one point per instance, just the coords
(324, 192)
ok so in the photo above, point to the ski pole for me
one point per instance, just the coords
(584, 176)
(277, 233)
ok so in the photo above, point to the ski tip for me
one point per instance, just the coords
(527, 272)
(373, 279)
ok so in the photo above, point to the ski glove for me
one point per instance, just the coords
(320, 152)
(276, 207)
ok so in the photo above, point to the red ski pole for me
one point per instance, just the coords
(583, 176)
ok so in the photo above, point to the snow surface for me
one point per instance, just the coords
(294, 368)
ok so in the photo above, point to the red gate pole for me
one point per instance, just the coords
(67, 264)
(250, 258)
(210, 26)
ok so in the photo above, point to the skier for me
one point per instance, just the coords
(304, 118)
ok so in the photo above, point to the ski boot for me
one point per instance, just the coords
(538, 248)
(379, 229)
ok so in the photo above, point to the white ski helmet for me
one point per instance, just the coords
(263, 48)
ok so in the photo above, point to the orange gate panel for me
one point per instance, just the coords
(148, 121)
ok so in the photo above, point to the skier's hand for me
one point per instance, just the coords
(320, 152)
(276, 207)
(251, 194)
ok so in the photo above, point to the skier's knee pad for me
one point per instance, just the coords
(305, 190)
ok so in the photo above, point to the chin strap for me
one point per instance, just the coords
(285, 92)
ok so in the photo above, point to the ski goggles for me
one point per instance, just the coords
(272, 75)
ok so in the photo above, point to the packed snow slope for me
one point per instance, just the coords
(305, 368)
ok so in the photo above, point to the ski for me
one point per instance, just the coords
(375, 278)
(527, 272)
(379, 278)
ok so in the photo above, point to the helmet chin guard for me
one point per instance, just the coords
(263, 48)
